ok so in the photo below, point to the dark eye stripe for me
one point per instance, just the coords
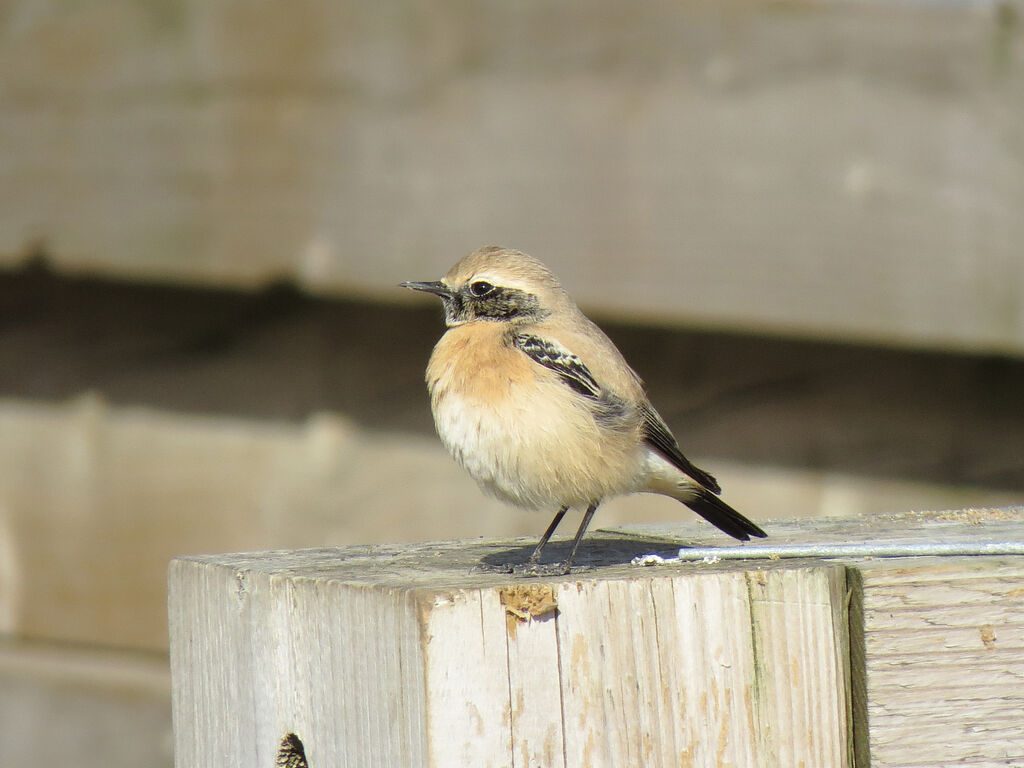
(500, 303)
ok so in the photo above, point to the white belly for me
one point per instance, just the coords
(535, 453)
(481, 441)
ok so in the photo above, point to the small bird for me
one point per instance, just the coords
(541, 408)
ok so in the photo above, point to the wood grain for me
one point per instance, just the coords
(944, 661)
(937, 643)
(405, 657)
(836, 168)
(418, 654)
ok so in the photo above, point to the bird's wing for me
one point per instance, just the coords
(570, 369)
(657, 435)
(608, 409)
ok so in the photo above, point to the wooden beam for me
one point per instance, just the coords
(943, 660)
(407, 656)
(825, 169)
(424, 655)
(937, 643)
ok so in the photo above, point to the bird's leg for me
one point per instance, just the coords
(566, 564)
(535, 557)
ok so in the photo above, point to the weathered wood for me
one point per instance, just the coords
(63, 704)
(944, 660)
(831, 168)
(937, 644)
(411, 656)
(407, 656)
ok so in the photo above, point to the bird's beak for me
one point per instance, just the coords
(437, 288)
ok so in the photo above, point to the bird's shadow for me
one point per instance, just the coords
(602, 552)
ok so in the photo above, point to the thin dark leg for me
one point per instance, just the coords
(566, 564)
(535, 557)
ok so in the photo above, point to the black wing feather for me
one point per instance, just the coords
(723, 517)
(658, 436)
(611, 411)
(569, 368)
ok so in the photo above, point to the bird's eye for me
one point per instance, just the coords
(480, 288)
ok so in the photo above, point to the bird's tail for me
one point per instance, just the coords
(719, 514)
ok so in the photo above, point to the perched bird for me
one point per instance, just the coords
(540, 407)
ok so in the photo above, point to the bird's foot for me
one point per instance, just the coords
(563, 568)
(539, 569)
(532, 569)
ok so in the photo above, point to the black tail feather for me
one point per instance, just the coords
(722, 516)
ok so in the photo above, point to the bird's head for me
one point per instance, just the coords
(496, 284)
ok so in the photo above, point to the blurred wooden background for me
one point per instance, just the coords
(801, 222)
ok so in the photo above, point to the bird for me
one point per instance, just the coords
(539, 406)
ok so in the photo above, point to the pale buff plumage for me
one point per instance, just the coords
(530, 429)
(518, 430)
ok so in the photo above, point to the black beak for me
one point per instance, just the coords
(437, 288)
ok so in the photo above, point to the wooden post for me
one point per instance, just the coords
(942, 654)
(392, 656)
(936, 642)
(412, 656)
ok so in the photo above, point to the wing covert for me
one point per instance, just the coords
(552, 355)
